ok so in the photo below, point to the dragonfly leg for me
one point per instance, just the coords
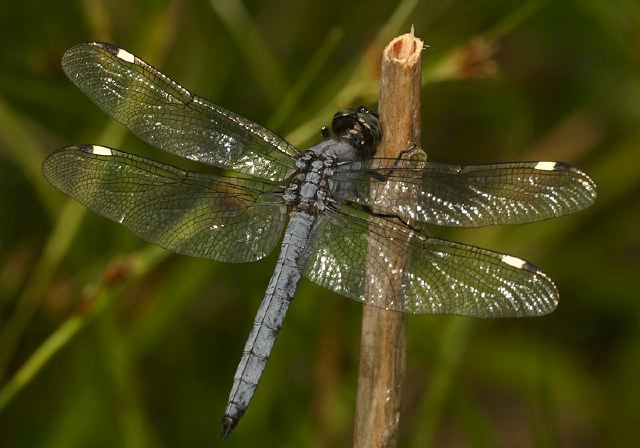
(415, 154)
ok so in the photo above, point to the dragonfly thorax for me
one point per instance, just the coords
(310, 188)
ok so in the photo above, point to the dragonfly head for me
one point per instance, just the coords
(361, 127)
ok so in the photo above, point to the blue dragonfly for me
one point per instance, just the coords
(352, 222)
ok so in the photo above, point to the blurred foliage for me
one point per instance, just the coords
(107, 342)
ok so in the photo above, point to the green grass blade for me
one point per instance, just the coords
(28, 154)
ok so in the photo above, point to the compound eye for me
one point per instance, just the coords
(363, 110)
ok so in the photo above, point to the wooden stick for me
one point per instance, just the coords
(383, 339)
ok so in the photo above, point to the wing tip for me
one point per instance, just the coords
(83, 46)
(546, 303)
(583, 178)
(46, 165)
(587, 182)
(72, 53)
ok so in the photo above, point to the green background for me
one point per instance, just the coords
(105, 341)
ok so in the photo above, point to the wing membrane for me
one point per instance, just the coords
(468, 196)
(215, 217)
(387, 265)
(168, 116)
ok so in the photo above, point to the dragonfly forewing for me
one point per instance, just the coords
(168, 116)
(469, 196)
(229, 219)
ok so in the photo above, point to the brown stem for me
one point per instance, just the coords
(383, 340)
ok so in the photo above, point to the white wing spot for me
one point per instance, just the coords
(513, 261)
(101, 150)
(125, 55)
(546, 166)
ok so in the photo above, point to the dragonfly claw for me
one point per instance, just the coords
(228, 423)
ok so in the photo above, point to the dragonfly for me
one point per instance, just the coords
(352, 222)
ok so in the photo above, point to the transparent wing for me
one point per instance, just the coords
(166, 115)
(387, 265)
(220, 218)
(468, 196)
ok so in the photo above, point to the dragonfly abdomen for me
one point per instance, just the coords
(269, 318)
